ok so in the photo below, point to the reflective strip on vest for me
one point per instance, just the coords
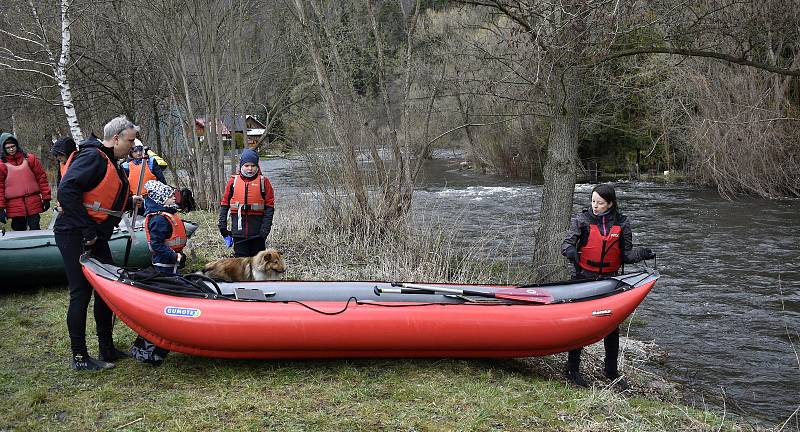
(246, 207)
(176, 242)
(96, 207)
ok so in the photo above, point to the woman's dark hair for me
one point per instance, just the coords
(607, 192)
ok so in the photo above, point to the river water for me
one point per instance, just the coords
(727, 308)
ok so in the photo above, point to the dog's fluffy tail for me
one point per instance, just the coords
(206, 269)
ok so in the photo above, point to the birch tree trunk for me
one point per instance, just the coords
(61, 74)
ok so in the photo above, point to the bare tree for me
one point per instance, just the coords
(197, 45)
(396, 169)
(566, 40)
(38, 55)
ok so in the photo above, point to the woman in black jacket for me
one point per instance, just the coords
(598, 242)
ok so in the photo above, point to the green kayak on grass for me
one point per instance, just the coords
(32, 257)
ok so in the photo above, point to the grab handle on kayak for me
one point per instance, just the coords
(378, 290)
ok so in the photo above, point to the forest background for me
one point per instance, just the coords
(548, 91)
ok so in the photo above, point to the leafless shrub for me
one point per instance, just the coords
(516, 148)
(746, 138)
(319, 248)
(738, 126)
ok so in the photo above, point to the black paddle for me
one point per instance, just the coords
(135, 213)
(527, 295)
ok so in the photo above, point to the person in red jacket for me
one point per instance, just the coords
(24, 191)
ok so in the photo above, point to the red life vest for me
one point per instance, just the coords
(98, 201)
(20, 180)
(133, 176)
(177, 241)
(63, 166)
(246, 199)
(602, 253)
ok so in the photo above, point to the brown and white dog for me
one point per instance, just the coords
(265, 265)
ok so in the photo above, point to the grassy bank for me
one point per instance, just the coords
(40, 392)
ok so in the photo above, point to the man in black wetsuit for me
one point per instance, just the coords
(93, 193)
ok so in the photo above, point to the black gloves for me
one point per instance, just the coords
(2, 215)
(224, 232)
(264, 231)
(572, 254)
(46, 204)
(646, 253)
(181, 260)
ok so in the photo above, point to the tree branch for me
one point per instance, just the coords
(502, 8)
(698, 53)
(6, 66)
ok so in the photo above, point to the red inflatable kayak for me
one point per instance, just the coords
(297, 319)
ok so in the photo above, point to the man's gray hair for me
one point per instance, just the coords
(116, 126)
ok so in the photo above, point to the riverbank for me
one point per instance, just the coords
(192, 393)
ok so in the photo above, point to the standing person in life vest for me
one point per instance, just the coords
(93, 193)
(598, 242)
(61, 150)
(249, 201)
(166, 234)
(137, 161)
(24, 191)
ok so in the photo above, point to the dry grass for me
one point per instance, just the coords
(317, 250)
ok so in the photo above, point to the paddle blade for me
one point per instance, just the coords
(523, 296)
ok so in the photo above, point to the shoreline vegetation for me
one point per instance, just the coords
(194, 393)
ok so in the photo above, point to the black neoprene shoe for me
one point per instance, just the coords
(576, 378)
(112, 355)
(618, 382)
(83, 362)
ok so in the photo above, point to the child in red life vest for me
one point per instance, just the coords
(249, 201)
(164, 228)
(598, 242)
(166, 237)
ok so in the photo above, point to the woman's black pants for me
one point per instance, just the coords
(611, 345)
(22, 223)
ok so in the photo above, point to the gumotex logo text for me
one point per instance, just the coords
(181, 311)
